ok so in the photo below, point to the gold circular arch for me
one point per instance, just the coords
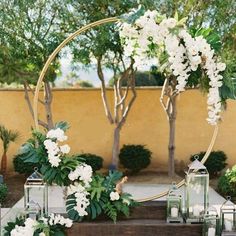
(49, 61)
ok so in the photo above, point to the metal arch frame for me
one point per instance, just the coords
(51, 58)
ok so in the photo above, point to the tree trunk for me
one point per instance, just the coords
(115, 148)
(171, 146)
(4, 163)
(48, 105)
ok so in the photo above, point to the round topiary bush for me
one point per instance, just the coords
(96, 162)
(22, 167)
(135, 157)
(215, 163)
(3, 192)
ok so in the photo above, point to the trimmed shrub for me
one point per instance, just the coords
(96, 162)
(227, 183)
(22, 167)
(135, 157)
(215, 163)
(3, 192)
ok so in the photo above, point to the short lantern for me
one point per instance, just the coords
(197, 184)
(174, 205)
(211, 223)
(36, 190)
(32, 210)
(228, 218)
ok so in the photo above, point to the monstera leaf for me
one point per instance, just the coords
(134, 15)
(111, 180)
(94, 209)
(62, 125)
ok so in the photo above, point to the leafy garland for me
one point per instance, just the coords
(88, 194)
(45, 226)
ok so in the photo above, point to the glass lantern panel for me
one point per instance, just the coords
(38, 194)
(174, 207)
(197, 193)
(228, 221)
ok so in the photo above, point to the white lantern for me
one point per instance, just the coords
(211, 223)
(36, 190)
(197, 184)
(174, 205)
(228, 218)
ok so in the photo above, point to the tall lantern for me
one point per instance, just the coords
(211, 223)
(36, 191)
(197, 184)
(174, 205)
(228, 218)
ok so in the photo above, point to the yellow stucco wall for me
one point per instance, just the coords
(146, 123)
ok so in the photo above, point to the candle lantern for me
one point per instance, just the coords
(211, 223)
(228, 218)
(174, 205)
(197, 184)
(35, 189)
(32, 210)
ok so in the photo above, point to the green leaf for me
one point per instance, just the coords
(176, 16)
(96, 187)
(62, 125)
(182, 21)
(134, 15)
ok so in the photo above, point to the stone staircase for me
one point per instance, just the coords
(149, 219)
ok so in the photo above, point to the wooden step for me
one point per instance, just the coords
(148, 219)
(136, 227)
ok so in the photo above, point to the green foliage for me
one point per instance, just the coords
(33, 152)
(11, 225)
(84, 84)
(22, 167)
(135, 157)
(96, 187)
(111, 211)
(131, 18)
(215, 163)
(37, 32)
(227, 183)
(59, 175)
(7, 136)
(3, 192)
(100, 202)
(41, 226)
(96, 162)
(152, 78)
(62, 125)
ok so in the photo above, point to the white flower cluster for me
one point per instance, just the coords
(114, 196)
(83, 172)
(185, 54)
(53, 149)
(82, 202)
(58, 219)
(31, 225)
(27, 230)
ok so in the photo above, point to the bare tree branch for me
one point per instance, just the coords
(43, 124)
(48, 101)
(130, 103)
(103, 91)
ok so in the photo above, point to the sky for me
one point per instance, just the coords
(88, 74)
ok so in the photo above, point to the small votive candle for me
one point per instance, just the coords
(228, 225)
(174, 212)
(211, 232)
(196, 211)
